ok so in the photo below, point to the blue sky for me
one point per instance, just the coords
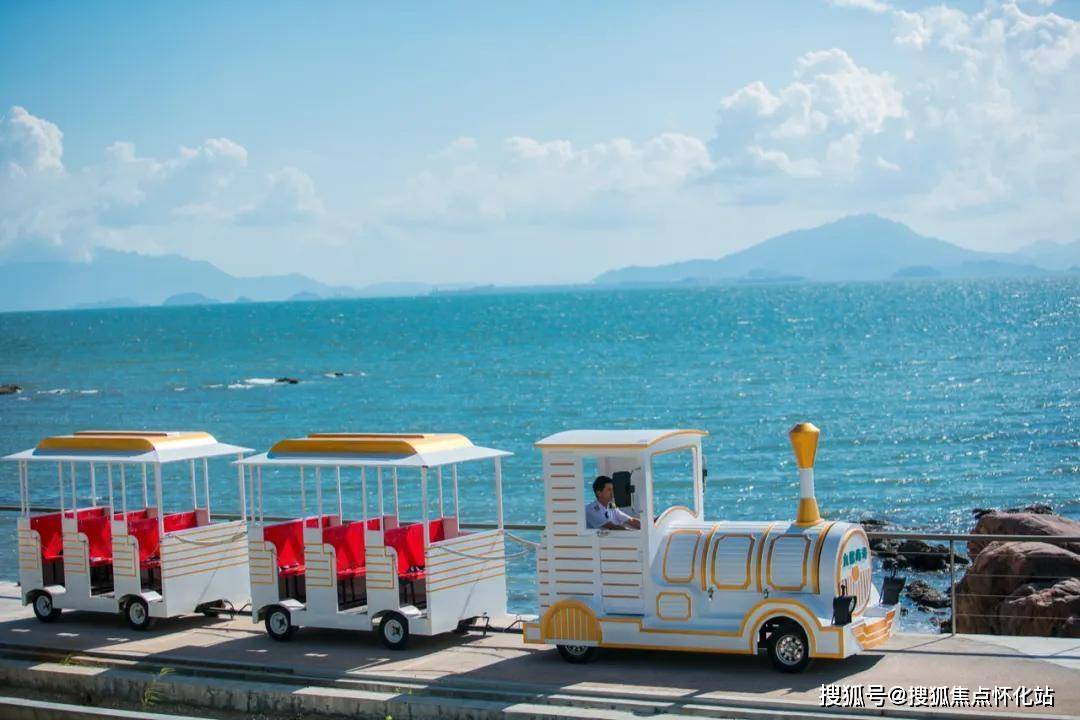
(504, 142)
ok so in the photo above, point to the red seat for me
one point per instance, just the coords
(436, 531)
(348, 543)
(99, 536)
(409, 543)
(288, 538)
(52, 539)
(180, 521)
(145, 531)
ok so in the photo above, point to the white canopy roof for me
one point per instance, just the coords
(131, 447)
(612, 439)
(373, 450)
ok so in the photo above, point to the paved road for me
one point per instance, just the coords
(908, 660)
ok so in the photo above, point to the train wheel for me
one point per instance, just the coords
(279, 624)
(43, 607)
(137, 613)
(394, 631)
(788, 648)
(578, 653)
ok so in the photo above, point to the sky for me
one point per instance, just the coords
(520, 143)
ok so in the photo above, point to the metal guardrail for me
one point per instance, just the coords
(949, 553)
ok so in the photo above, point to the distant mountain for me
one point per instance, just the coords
(1051, 255)
(190, 299)
(304, 297)
(857, 247)
(140, 280)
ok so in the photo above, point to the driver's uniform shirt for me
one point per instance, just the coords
(596, 515)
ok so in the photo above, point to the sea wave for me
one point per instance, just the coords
(259, 381)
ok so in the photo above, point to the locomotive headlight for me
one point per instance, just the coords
(804, 440)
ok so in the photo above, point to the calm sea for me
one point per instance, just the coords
(933, 397)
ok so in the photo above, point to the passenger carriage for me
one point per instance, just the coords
(797, 590)
(375, 571)
(100, 553)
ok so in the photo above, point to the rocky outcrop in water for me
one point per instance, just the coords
(10, 389)
(925, 596)
(1021, 588)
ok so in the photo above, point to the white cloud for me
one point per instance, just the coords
(536, 182)
(29, 143)
(809, 129)
(875, 6)
(290, 199)
(132, 201)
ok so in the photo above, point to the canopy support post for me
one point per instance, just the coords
(93, 487)
(74, 494)
(378, 480)
(457, 509)
(145, 488)
(194, 492)
(423, 504)
(112, 506)
(158, 500)
(318, 493)
(303, 498)
(498, 492)
(438, 474)
(363, 495)
(240, 481)
(206, 486)
(340, 509)
(60, 484)
(123, 489)
(397, 508)
(262, 516)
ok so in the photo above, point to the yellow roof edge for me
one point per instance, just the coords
(120, 441)
(369, 444)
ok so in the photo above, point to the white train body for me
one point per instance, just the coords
(682, 582)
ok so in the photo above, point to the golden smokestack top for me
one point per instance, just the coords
(804, 437)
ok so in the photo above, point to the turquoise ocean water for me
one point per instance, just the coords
(932, 397)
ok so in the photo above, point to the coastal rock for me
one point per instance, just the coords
(1028, 523)
(1009, 586)
(1045, 608)
(286, 380)
(920, 555)
(9, 389)
(1034, 508)
(926, 596)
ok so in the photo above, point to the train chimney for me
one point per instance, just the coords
(804, 437)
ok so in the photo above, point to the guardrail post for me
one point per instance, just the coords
(952, 583)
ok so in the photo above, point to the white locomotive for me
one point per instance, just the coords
(798, 590)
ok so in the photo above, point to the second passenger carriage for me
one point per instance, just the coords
(376, 571)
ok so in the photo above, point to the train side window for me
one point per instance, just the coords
(673, 482)
(625, 498)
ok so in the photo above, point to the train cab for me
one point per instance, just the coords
(628, 559)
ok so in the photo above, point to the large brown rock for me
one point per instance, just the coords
(1006, 523)
(996, 578)
(1049, 609)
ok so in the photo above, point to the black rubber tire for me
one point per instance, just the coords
(278, 621)
(394, 631)
(137, 614)
(43, 607)
(578, 654)
(788, 648)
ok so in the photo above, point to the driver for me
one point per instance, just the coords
(602, 513)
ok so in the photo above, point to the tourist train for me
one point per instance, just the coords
(636, 571)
